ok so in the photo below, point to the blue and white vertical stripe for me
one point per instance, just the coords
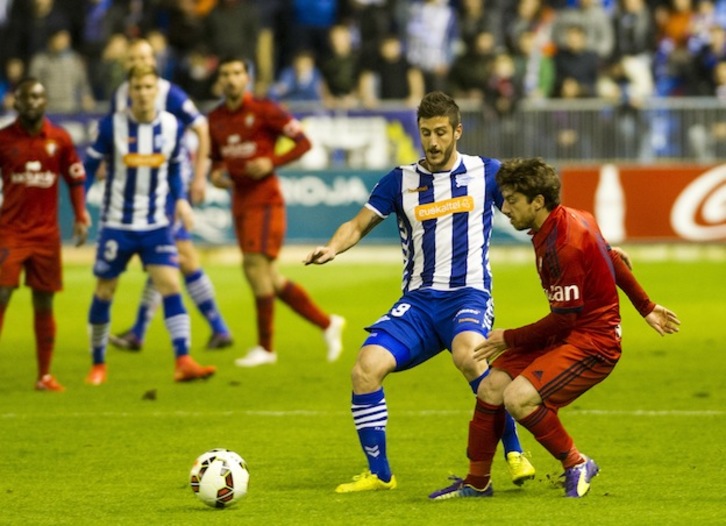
(445, 222)
(139, 161)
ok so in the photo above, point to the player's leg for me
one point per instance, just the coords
(255, 244)
(298, 299)
(44, 327)
(201, 290)
(43, 275)
(256, 269)
(370, 413)
(403, 339)
(552, 381)
(485, 431)
(273, 223)
(113, 252)
(11, 266)
(99, 321)
(5, 295)
(133, 338)
(159, 255)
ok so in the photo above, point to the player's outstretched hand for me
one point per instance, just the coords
(492, 347)
(663, 321)
(319, 255)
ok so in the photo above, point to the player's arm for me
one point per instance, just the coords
(662, 320)
(75, 177)
(346, 236)
(293, 130)
(182, 208)
(98, 151)
(198, 185)
(552, 327)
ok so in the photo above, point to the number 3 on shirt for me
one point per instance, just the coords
(110, 250)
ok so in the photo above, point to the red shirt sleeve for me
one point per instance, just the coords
(551, 328)
(626, 281)
(288, 126)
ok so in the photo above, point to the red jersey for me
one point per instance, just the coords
(577, 275)
(249, 132)
(31, 166)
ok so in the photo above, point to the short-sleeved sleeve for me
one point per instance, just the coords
(386, 194)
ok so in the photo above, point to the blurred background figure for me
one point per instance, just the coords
(341, 70)
(431, 40)
(63, 71)
(301, 81)
(390, 77)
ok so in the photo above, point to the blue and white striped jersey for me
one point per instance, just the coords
(444, 221)
(143, 163)
(173, 99)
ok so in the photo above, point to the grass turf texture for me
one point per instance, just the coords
(106, 455)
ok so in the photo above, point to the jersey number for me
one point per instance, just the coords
(110, 250)
(400, 309)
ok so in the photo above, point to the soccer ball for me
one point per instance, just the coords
(219, 478)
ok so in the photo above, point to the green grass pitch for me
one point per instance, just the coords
(106, 455)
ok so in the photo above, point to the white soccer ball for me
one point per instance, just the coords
(219, 478)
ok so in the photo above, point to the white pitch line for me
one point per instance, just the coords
(207, 414)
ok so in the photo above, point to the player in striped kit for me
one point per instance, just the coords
(172, 98)
(444, 205)
(142, 149)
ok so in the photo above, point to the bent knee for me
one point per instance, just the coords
(369, 371)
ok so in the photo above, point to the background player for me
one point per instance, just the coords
(34, 155)
(244, 131)
(172, 98)
(142, 148)
(444, 205)
(550, 363)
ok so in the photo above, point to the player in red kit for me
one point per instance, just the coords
(538, 368)
(244, 131)
(34, 155)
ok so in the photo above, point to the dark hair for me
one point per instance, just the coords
(27, 80)
(531, 177)
(439, 104)
(234, 58)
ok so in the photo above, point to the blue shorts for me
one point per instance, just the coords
(424, 322)
(179, 232)
(116, 247)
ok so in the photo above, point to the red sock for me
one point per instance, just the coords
(299, 301)
(265, 311)
(485, 431)
(2, 316)
(546, 427)
(44, 325)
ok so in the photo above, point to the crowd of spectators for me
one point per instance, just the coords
(357, 53)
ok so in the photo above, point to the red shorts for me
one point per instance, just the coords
(261, 229)
(42, 264)
(560, 373)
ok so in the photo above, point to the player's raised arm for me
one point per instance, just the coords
(346, 236)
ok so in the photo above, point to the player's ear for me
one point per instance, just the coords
(457, 132)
